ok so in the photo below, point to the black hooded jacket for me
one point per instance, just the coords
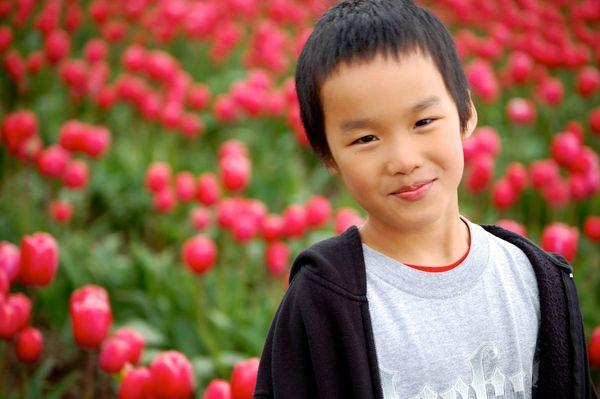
(320, 343)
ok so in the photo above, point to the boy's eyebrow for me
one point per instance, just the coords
(424, 104)
(353, 124)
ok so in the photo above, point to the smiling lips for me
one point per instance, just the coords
(414, 191)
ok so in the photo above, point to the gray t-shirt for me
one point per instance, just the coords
(467, 333)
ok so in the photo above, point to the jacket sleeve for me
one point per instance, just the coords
(285, 369)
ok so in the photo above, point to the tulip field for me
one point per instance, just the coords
(156, 182)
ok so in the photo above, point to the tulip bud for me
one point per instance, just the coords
(29, 345)
(543, 172)
(272, 227)
(277, 258)
(481, 173)
(591, 228)
(21, 305)
(294, 221)
(61, 211)
(560, 238)
(346, 217)
(200, 218)
(516, 174)
(513, 226)
(10, 260)
(199, 253)
(318, 210)
(113, 355)
(594, 348)
(158, 176)
(185, 186)
(136, 384)
(90, 315)
(135, 343)
(76, 174)
(52, 161)
(235, 172)
(588, 81)
(57, 46)
(172, 376)
(243, 378)
(218, 389)
(208, 191)
(8, 321)
(521, 111)
(39, 259)
(503, 194)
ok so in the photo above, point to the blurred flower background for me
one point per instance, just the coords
(156, 181)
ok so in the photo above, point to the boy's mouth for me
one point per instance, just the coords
(412, 187)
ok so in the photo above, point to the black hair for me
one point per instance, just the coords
(358, 30)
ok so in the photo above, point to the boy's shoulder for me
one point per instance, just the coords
(336, 260)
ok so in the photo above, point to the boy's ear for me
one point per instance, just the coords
(471, 122)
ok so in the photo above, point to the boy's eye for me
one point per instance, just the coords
(424, 122)
(364, 139)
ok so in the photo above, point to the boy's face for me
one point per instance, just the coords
(395, 139)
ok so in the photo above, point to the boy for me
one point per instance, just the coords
(418, 302)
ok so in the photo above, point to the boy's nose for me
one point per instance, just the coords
(403, 157)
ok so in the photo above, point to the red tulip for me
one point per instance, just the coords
(225, 109)
(487, 140)
(295, 220)
(318, 211)
(208, 191)
(481, 173)
(199, 253)
(4, 284)
(588, 81)
(513, 226)
(200, 218)
(71, 135)
(76, 174)
(158, 176)
(198, 96)
(39, 259)
(57, 46)
(96, 141)
(232, 148)
(218, 389)
(61, 211)
(521, 111)
(135, 343)
(8, 321)
(95, 50)
(190, 125)
(235, 172)
(21, 305)
(504, 195)
(272, 227)
(516, 174)
(346, 217)
(172, 376)
(481, 77)
(164, 201)
(543, 172)
(560, 238)
(565, 148)
(17, 128)
(29, 345)
(591, 228)
(243, 378)
(91, 315)
(595, 121)
(277, 258)
(10, 260)
(185, 186)
(113, 355)
(137, 384)
(594, 348)
(15, 65)
(520, 67)
(550, 91)
(557, 193)
(52, 161)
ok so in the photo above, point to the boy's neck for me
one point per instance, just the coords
(438, 244)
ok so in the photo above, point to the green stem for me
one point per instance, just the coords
(23, 382)
(3, 361)
(89, 374)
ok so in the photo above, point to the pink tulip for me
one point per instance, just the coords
(277, 258)
(591, 228)
(218, 389)
(243, 378)
(39, 259)
(76, 174)
(295, 221)
(91, 315)
(513, 226)
(113, 355)
(52, 161)
(520, 111)
(318, 211)
(208, 191)
(136, 384)
(158, 176)
(61, 211)
(29, 345)
(172, 376)
(199, 254)
(10, 260)
(560, 238)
